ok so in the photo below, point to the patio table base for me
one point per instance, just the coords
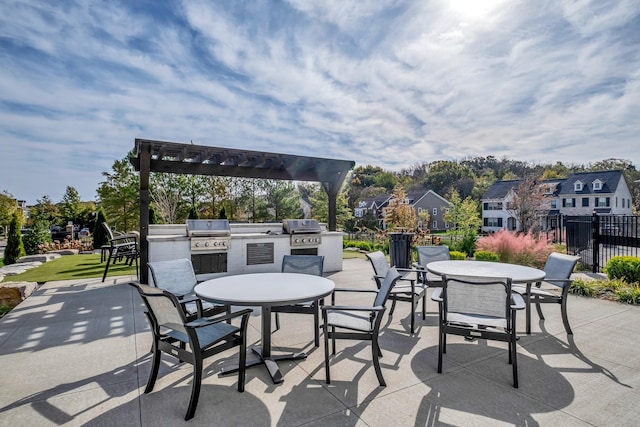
(270, 362)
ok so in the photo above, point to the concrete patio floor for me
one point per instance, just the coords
(77, 353)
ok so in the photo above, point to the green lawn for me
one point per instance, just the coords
(69, 267)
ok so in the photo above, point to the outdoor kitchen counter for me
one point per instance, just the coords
(170, 241)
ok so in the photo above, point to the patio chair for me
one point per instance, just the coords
(205, 337)
(357, 322)
(478, 307)
(304, 264)
(178, 277)
(124, 247)
(407, 290)
(427, 254)
(558, 269)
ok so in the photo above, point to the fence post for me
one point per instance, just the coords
(595, 233)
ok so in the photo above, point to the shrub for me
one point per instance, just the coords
(37, 235)
(486, 256)
(624, 267)
(15, 248)
(629, 294)
(100, 237)
(457, 255)
(587, 288)
(517, 248)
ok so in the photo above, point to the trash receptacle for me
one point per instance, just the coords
(400, 249)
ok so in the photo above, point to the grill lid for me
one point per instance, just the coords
(208, 227)
(298, 226)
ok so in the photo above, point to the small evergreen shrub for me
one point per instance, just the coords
(486, 256)
(100, 237)
(457, 255)
(587, 288)
(624, 267)
(15, 248)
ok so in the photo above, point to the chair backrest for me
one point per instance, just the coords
(379, 263)
(427, 254)
(389, 281)
(176, 276)
(479, 296)
(164, 308)
(559, 266)
(304, 264)
(108, 230)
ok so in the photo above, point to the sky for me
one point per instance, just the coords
(389, 83)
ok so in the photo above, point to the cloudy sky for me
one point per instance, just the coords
(390, 83)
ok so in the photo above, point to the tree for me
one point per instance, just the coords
(399, 215)
(283, 200)
(15, 248)
(44, 209)
(193, 213)
(100, 237)
(527, 202)
(464, 220)
(167, 192)
(71, 206)
(8, 206)
(443, 175)
(320, 205)
(119, 196)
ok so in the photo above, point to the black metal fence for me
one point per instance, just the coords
(598, 238)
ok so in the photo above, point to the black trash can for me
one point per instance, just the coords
(400, 249)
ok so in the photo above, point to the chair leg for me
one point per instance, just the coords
(536, 299)
(277, 321)
(316, 326)
(195, 388)
(565, 317)
(333, 340)
(376, 360)
(393, 307)
(326, 354)
(441, 345)
(106, 267)
(514, 358)
(424, 305)
(155, 366)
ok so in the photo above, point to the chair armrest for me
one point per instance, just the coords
(517, 303)
(417, 266)
(437, 294)
(206, 321)
(351, 308)
(355, 290)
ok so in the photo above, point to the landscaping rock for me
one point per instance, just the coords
(64, 252)
(39, 258)
(13, 269)
(13, 293)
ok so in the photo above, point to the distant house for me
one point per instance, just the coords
(421, 201)
(602, 192)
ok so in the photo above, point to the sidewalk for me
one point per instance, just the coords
(77, 353)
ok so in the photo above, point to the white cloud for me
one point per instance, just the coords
(390, 83)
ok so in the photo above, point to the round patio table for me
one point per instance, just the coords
(266, 290)
(518, 274)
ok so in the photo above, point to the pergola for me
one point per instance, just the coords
(173, 157)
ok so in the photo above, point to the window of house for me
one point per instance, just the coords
(492, 222)
(554, 204)
(585, 202)
(577, 186)
(492, 206)
(602, 202)
(597, 184)
(419, 210)
(435, 225)
(446, 225)
(568, 203)
(435, 211)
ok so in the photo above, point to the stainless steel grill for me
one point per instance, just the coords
(209, 235)
(305, 233)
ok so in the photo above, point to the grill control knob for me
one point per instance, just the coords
(197, 245)
(206, 244)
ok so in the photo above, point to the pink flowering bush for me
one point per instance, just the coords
(517, 248)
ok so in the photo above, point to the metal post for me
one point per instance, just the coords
(595, 238)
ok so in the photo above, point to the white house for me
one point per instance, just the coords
(602, 192)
